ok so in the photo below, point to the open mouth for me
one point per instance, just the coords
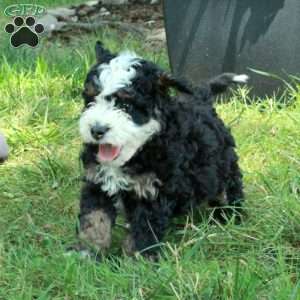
(108, 152)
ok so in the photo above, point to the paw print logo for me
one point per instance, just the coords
(24, 31)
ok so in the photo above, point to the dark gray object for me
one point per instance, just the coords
(3, 148)
(207, 37)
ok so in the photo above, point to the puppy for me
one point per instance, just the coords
(156, 155)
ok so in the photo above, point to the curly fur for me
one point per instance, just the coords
(188, 159)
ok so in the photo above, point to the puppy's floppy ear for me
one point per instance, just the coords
(92, 86)
(167, 81)
(102, 55)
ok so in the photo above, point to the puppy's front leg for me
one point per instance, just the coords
(148, 222)
(96, 218)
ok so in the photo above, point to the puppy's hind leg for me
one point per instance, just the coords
(234, 191)
(229, 202)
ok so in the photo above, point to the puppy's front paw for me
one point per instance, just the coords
(81, 250)
(129, 249)
(129, 246)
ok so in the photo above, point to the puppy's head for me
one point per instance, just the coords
(123, 96)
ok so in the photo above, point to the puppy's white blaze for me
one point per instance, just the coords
(118, 73)
(243, 78)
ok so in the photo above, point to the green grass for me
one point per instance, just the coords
(39, 107)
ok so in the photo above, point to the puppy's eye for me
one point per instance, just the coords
(123, 105)
(125, 94)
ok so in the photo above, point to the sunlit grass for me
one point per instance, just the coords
(39, 188)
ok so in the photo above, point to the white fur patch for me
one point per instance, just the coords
(123, 131)
(113, 180)
(243, 78)
(118, 73)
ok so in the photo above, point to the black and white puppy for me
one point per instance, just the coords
(157, 155)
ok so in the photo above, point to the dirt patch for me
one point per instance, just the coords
(144, 15)
(137, 17)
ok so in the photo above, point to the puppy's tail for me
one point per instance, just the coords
(219, 84)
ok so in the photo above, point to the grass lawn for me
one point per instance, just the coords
(40, 104)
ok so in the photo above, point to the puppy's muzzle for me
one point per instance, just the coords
(98, 131)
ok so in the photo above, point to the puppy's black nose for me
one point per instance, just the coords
(98, 131)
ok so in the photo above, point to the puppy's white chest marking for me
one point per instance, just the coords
(114, 180)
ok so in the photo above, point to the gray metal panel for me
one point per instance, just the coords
(207, 37)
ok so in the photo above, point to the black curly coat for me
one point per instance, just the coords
(193, 156)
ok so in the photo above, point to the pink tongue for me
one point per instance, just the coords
(108, 152)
